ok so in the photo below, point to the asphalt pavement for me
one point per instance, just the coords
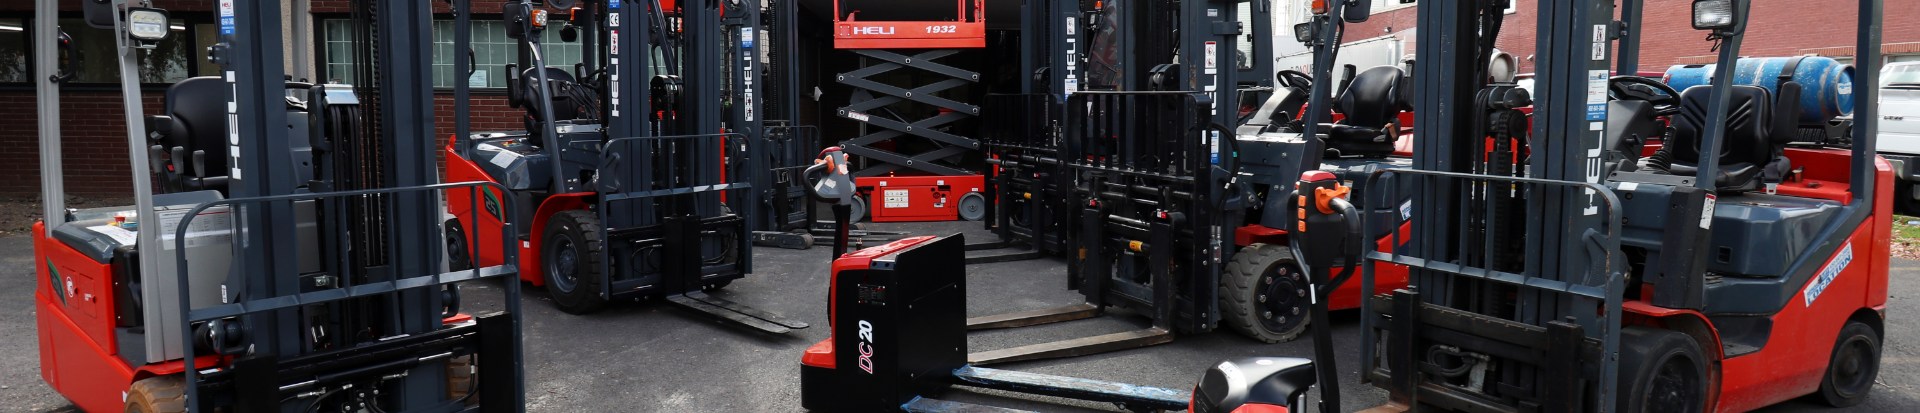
(652, 357)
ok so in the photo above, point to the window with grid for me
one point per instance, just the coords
(169, 61)
(492, 51)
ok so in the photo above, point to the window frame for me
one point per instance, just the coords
(321, 70)
(1391, 5)
(192, 20)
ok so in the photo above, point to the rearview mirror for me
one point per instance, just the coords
(1357, 11)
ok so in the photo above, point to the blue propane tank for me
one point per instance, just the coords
(1826, 84)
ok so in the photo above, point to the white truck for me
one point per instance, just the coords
(1899, 138)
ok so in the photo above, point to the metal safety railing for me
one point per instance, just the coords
(390, 285)
(656, 166)
(1589, 296)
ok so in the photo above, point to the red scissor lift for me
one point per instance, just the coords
(903, 178)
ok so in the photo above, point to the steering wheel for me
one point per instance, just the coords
(1294, 79)
(1665, 100)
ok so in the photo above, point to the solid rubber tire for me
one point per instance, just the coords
(1830, 392)
(582, 229)
(1239, 289)
(158, 394)
(1644, 353)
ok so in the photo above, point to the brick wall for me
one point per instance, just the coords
(1669, 37)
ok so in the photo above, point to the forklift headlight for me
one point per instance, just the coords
(1303, 32)
(147, 24)
(539, 18)
(1714, 15)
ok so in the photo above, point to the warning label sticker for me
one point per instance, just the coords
(210, 227)
(894, 198)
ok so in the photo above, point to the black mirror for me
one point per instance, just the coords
(99, 13)
(569, 34)
(1357, 11)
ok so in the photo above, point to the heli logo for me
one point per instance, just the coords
(866, 346)
(873, 30)
(1595, 163)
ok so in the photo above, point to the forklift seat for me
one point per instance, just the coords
(1756, 136)
(565, 106)
(1374, 99)
(196, 128)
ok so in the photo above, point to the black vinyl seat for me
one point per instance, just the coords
(1375, 99)
(570, 99)
(193, 134)
(1756, 136)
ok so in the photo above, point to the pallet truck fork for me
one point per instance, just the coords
(630, 191)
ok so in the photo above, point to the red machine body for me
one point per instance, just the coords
(820, 355)
(462, 201)
(968, 30)
(1793, 364)
(75, 313)
(917, 198)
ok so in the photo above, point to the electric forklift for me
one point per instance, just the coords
(1667, 282)
(632, 162)
(1174, 215)
(280, 254)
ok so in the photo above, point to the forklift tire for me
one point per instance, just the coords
(570, 257)
(158, 394)
(1853, 367)
(461, 380)
(1263, 294)
(459, 256)
(1660, 371)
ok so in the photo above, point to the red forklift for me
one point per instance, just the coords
(1740, 265)
(1160, 207)
(631, 168)
(281, 253)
